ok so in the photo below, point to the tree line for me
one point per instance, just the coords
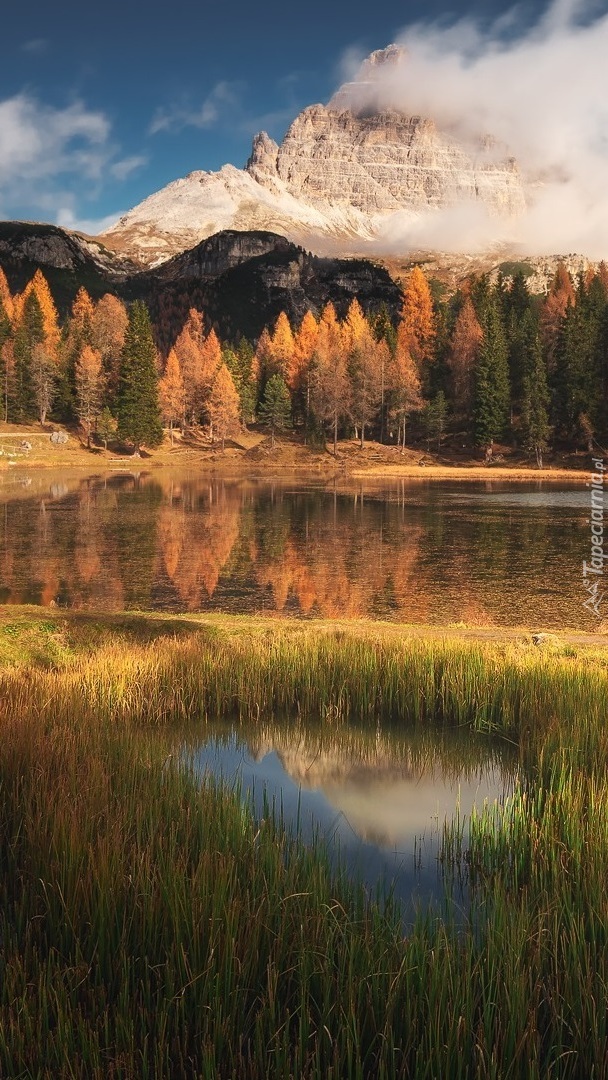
(491, 363)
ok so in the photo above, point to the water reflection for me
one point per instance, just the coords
(379, 798)
(484, 553)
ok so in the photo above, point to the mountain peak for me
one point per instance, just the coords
(345, 174)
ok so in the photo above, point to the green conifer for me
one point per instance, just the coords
(138, 410)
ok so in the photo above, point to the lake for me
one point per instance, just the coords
(484, 553)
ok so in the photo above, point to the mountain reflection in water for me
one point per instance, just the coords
(381, 798)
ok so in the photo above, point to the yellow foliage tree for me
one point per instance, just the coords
(171, 392)
(224, 406)
(418, 318)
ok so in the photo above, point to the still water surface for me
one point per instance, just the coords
(379, 798)
(486, 553)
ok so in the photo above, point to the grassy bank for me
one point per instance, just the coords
(253, 454)
(151, 929)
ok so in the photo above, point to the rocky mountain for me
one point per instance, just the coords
(68, 260)
(342, 176)
(244, 280)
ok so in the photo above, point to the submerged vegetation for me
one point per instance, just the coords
(153, 928)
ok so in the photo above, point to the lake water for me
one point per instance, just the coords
(379, 798)
(487, 553)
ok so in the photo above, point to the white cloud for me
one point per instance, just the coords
(92, 226)
(539, 91)
(121, 170)
(52, 158)
(224, 97)
(38, 141)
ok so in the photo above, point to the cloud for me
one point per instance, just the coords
(121, 170)
(539, 90)
(224, 97)
(52, 158)
(35, 46)
(92, 226)
(38, 141)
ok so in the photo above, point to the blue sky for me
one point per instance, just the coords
(102, 104)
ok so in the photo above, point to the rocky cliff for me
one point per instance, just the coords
(337, 181)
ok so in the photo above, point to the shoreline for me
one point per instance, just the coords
(255, 458)
(147, 624)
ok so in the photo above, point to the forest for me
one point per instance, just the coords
(492, 365)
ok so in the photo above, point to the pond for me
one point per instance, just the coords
(483, 553)
(378, 798)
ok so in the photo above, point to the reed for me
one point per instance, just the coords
(151, 927)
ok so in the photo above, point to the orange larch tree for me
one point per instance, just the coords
(404, 383)
(224, 406)
(108, 328)
(330, 385)
(463, 355)
(418, 318)
(89, 388)
(171, 392)
(363, 368)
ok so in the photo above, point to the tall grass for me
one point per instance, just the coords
(150, 928)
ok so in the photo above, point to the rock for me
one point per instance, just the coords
(336, 180)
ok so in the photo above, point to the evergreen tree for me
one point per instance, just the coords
(30, 333)
(138, 411)
(275, 410)
(491, 398)
(535, 401)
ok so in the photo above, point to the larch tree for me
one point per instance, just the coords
(404, 385)
(224, 406)
(418, 319)
(108, 328)
(171, 392)
(463, 355)
(138, 410)
(363, 368)
(6, 298)
(299, 378)
(89, 388)
(50, 319)
(282, 348)
(330, 384)
(560, 297)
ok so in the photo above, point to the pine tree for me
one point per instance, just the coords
(535, 401)
(138, 411)
(491, 397)
(238, 361)
(106, 426)
(275, 410)
(29, 334)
